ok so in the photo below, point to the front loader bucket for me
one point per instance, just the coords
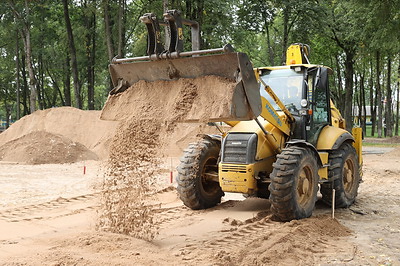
(233, 95)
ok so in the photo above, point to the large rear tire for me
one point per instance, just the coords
(197, 175)
(344, 171)
(294, 184)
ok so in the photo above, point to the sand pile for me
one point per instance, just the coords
(41, 147)
(294, 243)
(79, 126)
(149, 112)
(86, 128)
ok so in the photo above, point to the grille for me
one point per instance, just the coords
(239, 148)
(235, 151)
(233, 168)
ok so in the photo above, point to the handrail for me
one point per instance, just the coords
(226, 49)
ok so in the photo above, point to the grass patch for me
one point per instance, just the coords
(381, 144)
(369, 130)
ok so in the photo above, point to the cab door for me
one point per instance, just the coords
(318, 97)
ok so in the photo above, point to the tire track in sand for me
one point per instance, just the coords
(303, 238)
(51, 209)
(237, 237)
(72, 205)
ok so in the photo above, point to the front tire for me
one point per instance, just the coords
(344, 171)
(294, 184)
(198, 187)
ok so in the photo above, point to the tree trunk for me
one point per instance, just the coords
(109, 40)
(363, 103)
(67, 81)
(90, 18)
(7, 108)
(270, 51)
(28, 52)
(32, 79)
(57, 90)
(339, 90)
(379, 95)
(91, 69)
(165, 5)
(285, 33)
(388, 113)
(398, 101)
(25, 86)
(189, 9)
(165, 9)
(107, 26)
(27, 58)
(40, 83)
(121, 28)
(372, 100)
(43, 101)
(72, 50)
(52, 101)
(358, 101)
(17, 84)
(349, 73)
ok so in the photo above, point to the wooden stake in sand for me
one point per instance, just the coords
(333, 203)
(171, 175)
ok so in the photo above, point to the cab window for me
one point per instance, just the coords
(287, 85)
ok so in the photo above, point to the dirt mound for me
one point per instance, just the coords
(77, 125)
(293, 243)
(41, 147)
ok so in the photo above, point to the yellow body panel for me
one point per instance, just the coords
(328, 137)
(259, 69)
(357, 134)
(241, 177)
(271, 115)
(323, 171)
(264, 148)
(294, 55)
(237, 178)
(337, 119)
(231, 123)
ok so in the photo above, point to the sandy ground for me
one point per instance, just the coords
(48, 217)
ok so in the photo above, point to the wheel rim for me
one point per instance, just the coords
(348, 176)
(305, 186)
(209, 168)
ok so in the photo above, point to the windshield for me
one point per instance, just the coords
(287, 85)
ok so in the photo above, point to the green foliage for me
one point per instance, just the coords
(261, 28)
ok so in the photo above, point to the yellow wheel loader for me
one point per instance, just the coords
(286, 138)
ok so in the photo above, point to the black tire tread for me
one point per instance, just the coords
(188, 175)
(283, 200)
(336, 160)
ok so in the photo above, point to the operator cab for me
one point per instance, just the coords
(304, 91)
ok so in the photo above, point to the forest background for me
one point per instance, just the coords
(56, 53)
